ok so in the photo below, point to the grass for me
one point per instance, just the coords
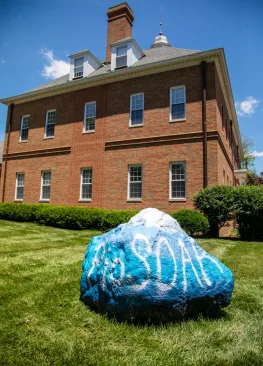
(42, 321)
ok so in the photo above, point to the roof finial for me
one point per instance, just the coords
(161, 19)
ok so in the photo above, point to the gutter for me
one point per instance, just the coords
(9, 121)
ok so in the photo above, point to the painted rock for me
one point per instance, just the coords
(149, 268)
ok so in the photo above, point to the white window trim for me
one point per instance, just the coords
(141, 124)
(84, 124)
(81, 182)
(45, 136)
(19, 199)
(26, 115)
(128, 198)
(179, 199)
(74, 67)
(178, 119)
(41, 189)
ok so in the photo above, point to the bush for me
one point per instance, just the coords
(193, 222)
(249, 211)
(217, 204)
(77, 218)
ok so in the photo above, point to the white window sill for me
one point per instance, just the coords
(177, 120)
(22, 141)
(43, 200)
(177, 200)
(85, 132)
(18, 200)
(134, 200)
(138, 125)
(85, 200)
(48, 138)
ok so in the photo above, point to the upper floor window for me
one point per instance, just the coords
(90, 117)
(86, 184)
(24, 128)
(136, 109)
(45, 185)
(50, 123)
(177, 103)
(177, 181)
(19, 186)
(121, 56)
(78, 67)
(135, 182)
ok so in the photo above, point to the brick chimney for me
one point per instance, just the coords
(120, 19)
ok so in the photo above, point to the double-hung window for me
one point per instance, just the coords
(78, 67)
(177, 181)
(90, 117)
(121, 56)
(86, 184)
(24, 128)
(50, 123)
(136, 109)
(45, 185)
(20, 178)
(135, 182)
(177, 103)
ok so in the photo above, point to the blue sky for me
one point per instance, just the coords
(37, 36)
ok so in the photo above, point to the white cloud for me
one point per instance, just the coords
(3, 61)
(54, 68)
(247, 106)
(257, 154)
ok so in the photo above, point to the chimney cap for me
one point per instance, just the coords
(120, 5)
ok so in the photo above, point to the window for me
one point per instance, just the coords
(136, 109)
(24, 128)
(177, 181)
(20, 186)
(90, 116)
(135, 182)
(45, 186)
(121, 56)
(177, 103)
(78, 67)
(222, 117)
(86, 184)
(50, 123)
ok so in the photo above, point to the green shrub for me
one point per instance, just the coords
(249, 211)
(217, 204)
(77, 218)
(193, 222)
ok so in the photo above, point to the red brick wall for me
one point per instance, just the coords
(110, 165)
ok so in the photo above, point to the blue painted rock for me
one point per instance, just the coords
(150, 268)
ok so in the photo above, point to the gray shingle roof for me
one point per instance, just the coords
(152, 55)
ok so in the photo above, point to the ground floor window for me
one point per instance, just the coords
(45, 185)
(135, 182)
(20, 177)
(177, 180)
(86, 184)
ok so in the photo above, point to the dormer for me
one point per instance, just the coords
(82, 64)
(125, 53)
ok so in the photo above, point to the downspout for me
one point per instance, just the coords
(10, 116)
(204, 124)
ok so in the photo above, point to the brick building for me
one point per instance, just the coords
(144, 128)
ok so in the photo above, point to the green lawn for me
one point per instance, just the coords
(42, 321)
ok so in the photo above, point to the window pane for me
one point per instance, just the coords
(91, 110)
(121, 61)
(137, 117)
(19, 193)
(178, 95)
(79, 61)
(178, 111)
(46, 178)
(25, 122)
(178, 189)
(20, 180)
(86, 191)
(135, 190)
(50, 129)
(122, 51)
(24, 134)
(46, 192)
(90, 124)
(135, 174)
(87, 176)
(137, 101)
(51, 117)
